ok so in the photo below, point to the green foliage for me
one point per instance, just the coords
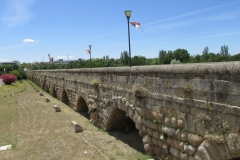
(164, 57)
(216, 127)
(140, 90)
(17, 74)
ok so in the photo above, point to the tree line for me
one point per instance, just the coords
(164, 57)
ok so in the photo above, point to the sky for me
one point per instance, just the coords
(32, 29)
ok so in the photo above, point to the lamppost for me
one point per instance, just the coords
(128, 15)
(90, 46)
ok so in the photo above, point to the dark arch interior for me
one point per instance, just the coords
(54, 93)
(65, 98)
(47, 89)
(82, 108)
(123, 128)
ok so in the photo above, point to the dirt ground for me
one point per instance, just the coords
(37, 132)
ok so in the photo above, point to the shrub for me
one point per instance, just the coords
(17, 74)
(8, 78)
(140, 90)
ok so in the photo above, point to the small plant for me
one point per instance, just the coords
(168, 85)
(188, 88)
(184, 129)
(140, 90)
(95, 83)
(187, 143)
(154, 121)
(207, 106)
(183, 151)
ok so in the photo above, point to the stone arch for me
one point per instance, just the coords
(53, 92)
(123, 127)
(47, 89)
(64, 97)
(118, 120)
(82, 107)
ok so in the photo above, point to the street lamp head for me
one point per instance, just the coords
(128, 13)
(90, 46)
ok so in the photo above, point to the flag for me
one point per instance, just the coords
(136, 25)
(88, 51)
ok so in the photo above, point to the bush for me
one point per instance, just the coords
(8, 78)
(17, 74)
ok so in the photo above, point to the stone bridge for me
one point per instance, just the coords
(186, 111)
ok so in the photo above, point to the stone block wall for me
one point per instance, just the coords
(186, 111)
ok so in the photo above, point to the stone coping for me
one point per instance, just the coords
(188, 68)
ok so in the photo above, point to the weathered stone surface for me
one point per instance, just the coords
(77, 127)
(165, 147)
(150, 132)
(47, 99)
(157, 151)
(149, 148)
(161, 118)
(56, 108)
(212, 151)
(147, 139)
(195, 140)
(156, 135)
(155, 141)
(202, 154)
(233, 142)
(168, 131)
(174, 152)
(179, 145)
(180, 124)
(143, 131)
(151, 125)
(191, 126)
(160, 144)
(178, 134)
(174, 122)
(183, 156)
(168, 121)
(191, 158)
(223, 151)
(184, 136)
(170, 141)
(190, 150)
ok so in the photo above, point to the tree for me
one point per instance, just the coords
(224, 51)
(205, 53)
(17, 74)
(161, 55)
(182, 55)
(124, 58)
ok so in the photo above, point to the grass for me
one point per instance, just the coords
(9, 112)
(33, 128)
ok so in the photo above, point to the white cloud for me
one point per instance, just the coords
(16, 12)
(28, 41)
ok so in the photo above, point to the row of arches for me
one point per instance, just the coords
(118, 125)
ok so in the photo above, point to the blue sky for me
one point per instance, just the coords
(32, 29)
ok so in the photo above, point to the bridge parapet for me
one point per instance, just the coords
(186, 110)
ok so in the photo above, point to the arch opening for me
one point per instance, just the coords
(82, 108)
(123, 128)
(65, 98)
(47, 89)
(54, 93)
